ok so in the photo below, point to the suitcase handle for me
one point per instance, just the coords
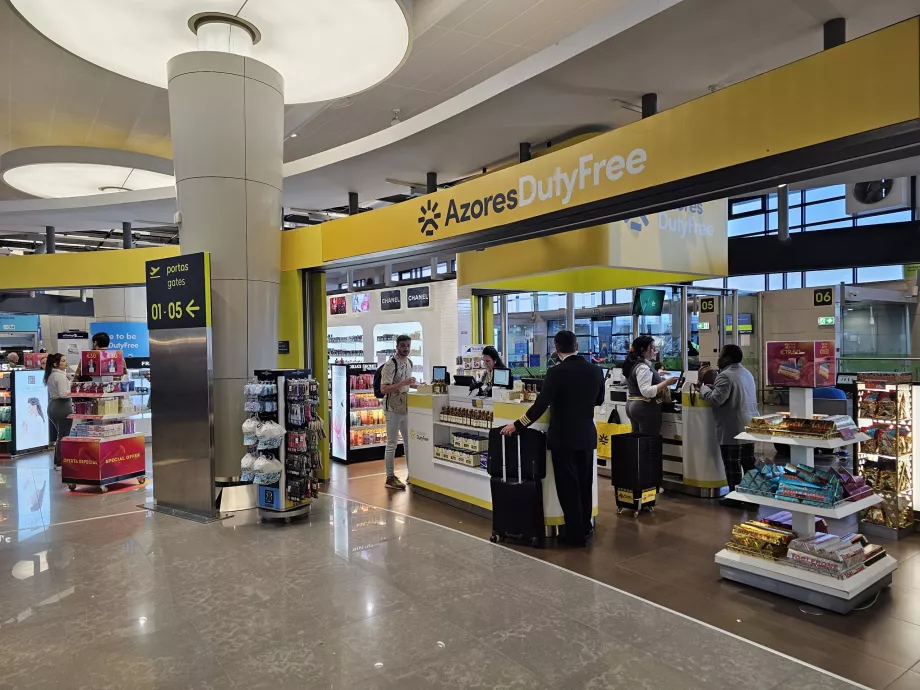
(520, 473)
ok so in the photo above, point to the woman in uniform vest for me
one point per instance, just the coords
(644, 386)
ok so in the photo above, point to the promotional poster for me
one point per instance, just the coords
(339, 427)
(808, 364)
(31, 410)
(103, 363)
(95, 459)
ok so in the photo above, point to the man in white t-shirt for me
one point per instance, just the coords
(395, 380)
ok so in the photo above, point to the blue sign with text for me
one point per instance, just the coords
(130, 337)
(21, 323)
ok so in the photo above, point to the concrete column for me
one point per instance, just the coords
(49, 239)
(570, 311)
(782, 212)
(227, 122)
(127, 239)
(120, 304)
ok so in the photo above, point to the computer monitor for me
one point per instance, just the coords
(648, 302)
(461, 380)
(501, 378)
(439, 374)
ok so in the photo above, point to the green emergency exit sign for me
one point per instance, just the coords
(826, 320)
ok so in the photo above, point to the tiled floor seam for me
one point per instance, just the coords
(636, 597)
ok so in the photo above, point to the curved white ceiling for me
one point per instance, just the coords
(324, 49)
(58, 180)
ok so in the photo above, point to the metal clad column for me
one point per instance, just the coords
(49, 239)
(570, 311)
(227, 122)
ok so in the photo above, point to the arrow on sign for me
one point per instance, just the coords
(153, 271)
(189, 309)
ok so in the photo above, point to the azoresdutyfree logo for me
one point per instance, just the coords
(589, 172)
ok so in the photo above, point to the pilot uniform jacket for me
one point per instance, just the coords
(571, 391)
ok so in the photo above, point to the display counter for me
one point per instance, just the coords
(691, 460)
(468, 485)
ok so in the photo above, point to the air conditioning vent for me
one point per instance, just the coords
(878, 195)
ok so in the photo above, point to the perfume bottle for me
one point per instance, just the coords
(112, 366)
(91, 367)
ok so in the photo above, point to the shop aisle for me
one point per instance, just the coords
(667, 558)
(355, 597)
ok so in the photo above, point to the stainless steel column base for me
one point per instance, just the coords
(240, 497)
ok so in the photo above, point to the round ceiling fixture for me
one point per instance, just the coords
(52, 172)
(323, 49)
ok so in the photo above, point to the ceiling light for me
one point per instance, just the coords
(353, 44)
(395, 121)
(294, 135)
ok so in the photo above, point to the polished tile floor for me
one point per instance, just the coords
(96, 593)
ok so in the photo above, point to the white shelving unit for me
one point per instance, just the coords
(824, 591)
(463, 426)
(457, 466)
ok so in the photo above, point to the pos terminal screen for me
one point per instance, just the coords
(501, 377)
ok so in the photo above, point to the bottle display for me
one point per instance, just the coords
(467, 416)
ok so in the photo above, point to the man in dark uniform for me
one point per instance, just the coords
(571, 391)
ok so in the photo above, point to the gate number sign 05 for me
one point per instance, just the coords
(824, 297)
(708, 305)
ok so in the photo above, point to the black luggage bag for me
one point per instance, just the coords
(635, 471)
(517, 504)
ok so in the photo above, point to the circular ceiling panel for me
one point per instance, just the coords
(53, 172)
(324, 49)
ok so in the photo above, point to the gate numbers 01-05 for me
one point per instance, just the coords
(179, 292)
(824, 297)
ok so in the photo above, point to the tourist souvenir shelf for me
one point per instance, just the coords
(777, 576)
(282, 437)
(885, 412)
(385, 335)
(103, 447)
(345, 344)
(359, 430)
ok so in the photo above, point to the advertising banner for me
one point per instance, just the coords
(390, 300)
(339, 399)
(418, 297)
(103, 363)
(93, 460)
(19, 323)
(31, 411)
(807, 364)
(130, 337)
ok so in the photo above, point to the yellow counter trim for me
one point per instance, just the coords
(699, 483)
(512, 411)
(559, 520)
(685, 401)
(422, 402)
(459, 495)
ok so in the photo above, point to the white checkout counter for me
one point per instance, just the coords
(691, 462)
(459, 485)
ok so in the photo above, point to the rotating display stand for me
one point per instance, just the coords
(778, 577)
(100, 460)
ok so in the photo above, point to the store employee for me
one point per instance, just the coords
(571, 391)
(492, 361)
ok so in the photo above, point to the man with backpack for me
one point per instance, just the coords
(395, 380)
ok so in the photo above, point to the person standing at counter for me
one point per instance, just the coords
(733, 398)
(492, 361)
(395, 379)
(571, 391)
(59, 405)
(644, 387)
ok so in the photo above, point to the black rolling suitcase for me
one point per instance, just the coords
(517, 503)
(635, 471)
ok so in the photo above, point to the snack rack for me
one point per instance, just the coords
(99, 458)
(885, 459)
(293, 402)
(825, 591)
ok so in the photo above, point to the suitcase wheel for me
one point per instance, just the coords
(635, 513)
(496, 537)
(619, 510)
(651, 509)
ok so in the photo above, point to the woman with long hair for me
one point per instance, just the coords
(60, 406)
(644, 386)
(491, 360)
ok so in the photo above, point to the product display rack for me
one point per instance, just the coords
(359, 431)
(291, 400)
(6, 414)
(778, 577)
(385, 345)
(885, 409)
(100, 460)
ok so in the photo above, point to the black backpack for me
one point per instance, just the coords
(377, 375)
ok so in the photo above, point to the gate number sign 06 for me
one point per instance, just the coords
(824, 297)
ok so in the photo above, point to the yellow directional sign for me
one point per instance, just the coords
(190, 310)
(177, 301)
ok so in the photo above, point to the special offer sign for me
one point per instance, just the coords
(92, 460)
(801, 364)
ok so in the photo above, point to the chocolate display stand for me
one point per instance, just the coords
(812, 588)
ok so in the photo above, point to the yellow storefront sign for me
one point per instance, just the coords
(831, 95)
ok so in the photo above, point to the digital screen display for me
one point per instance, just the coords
(439, 374)
(648, 302)
(745, 324)
(501, 377)
(31, 397)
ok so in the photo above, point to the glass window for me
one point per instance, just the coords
(394, 277)
(746, 226)
(442, 268)
(753, 283)
(832, 277)
(426, 271)
(750, 205)
(795, 197)
(496, 305)
(830, 226)
(871, 274)
(775, 281)
(713, 283)
(624, 297)
(828, 210)
(794, 280)
(837, 190)
(895, 217)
